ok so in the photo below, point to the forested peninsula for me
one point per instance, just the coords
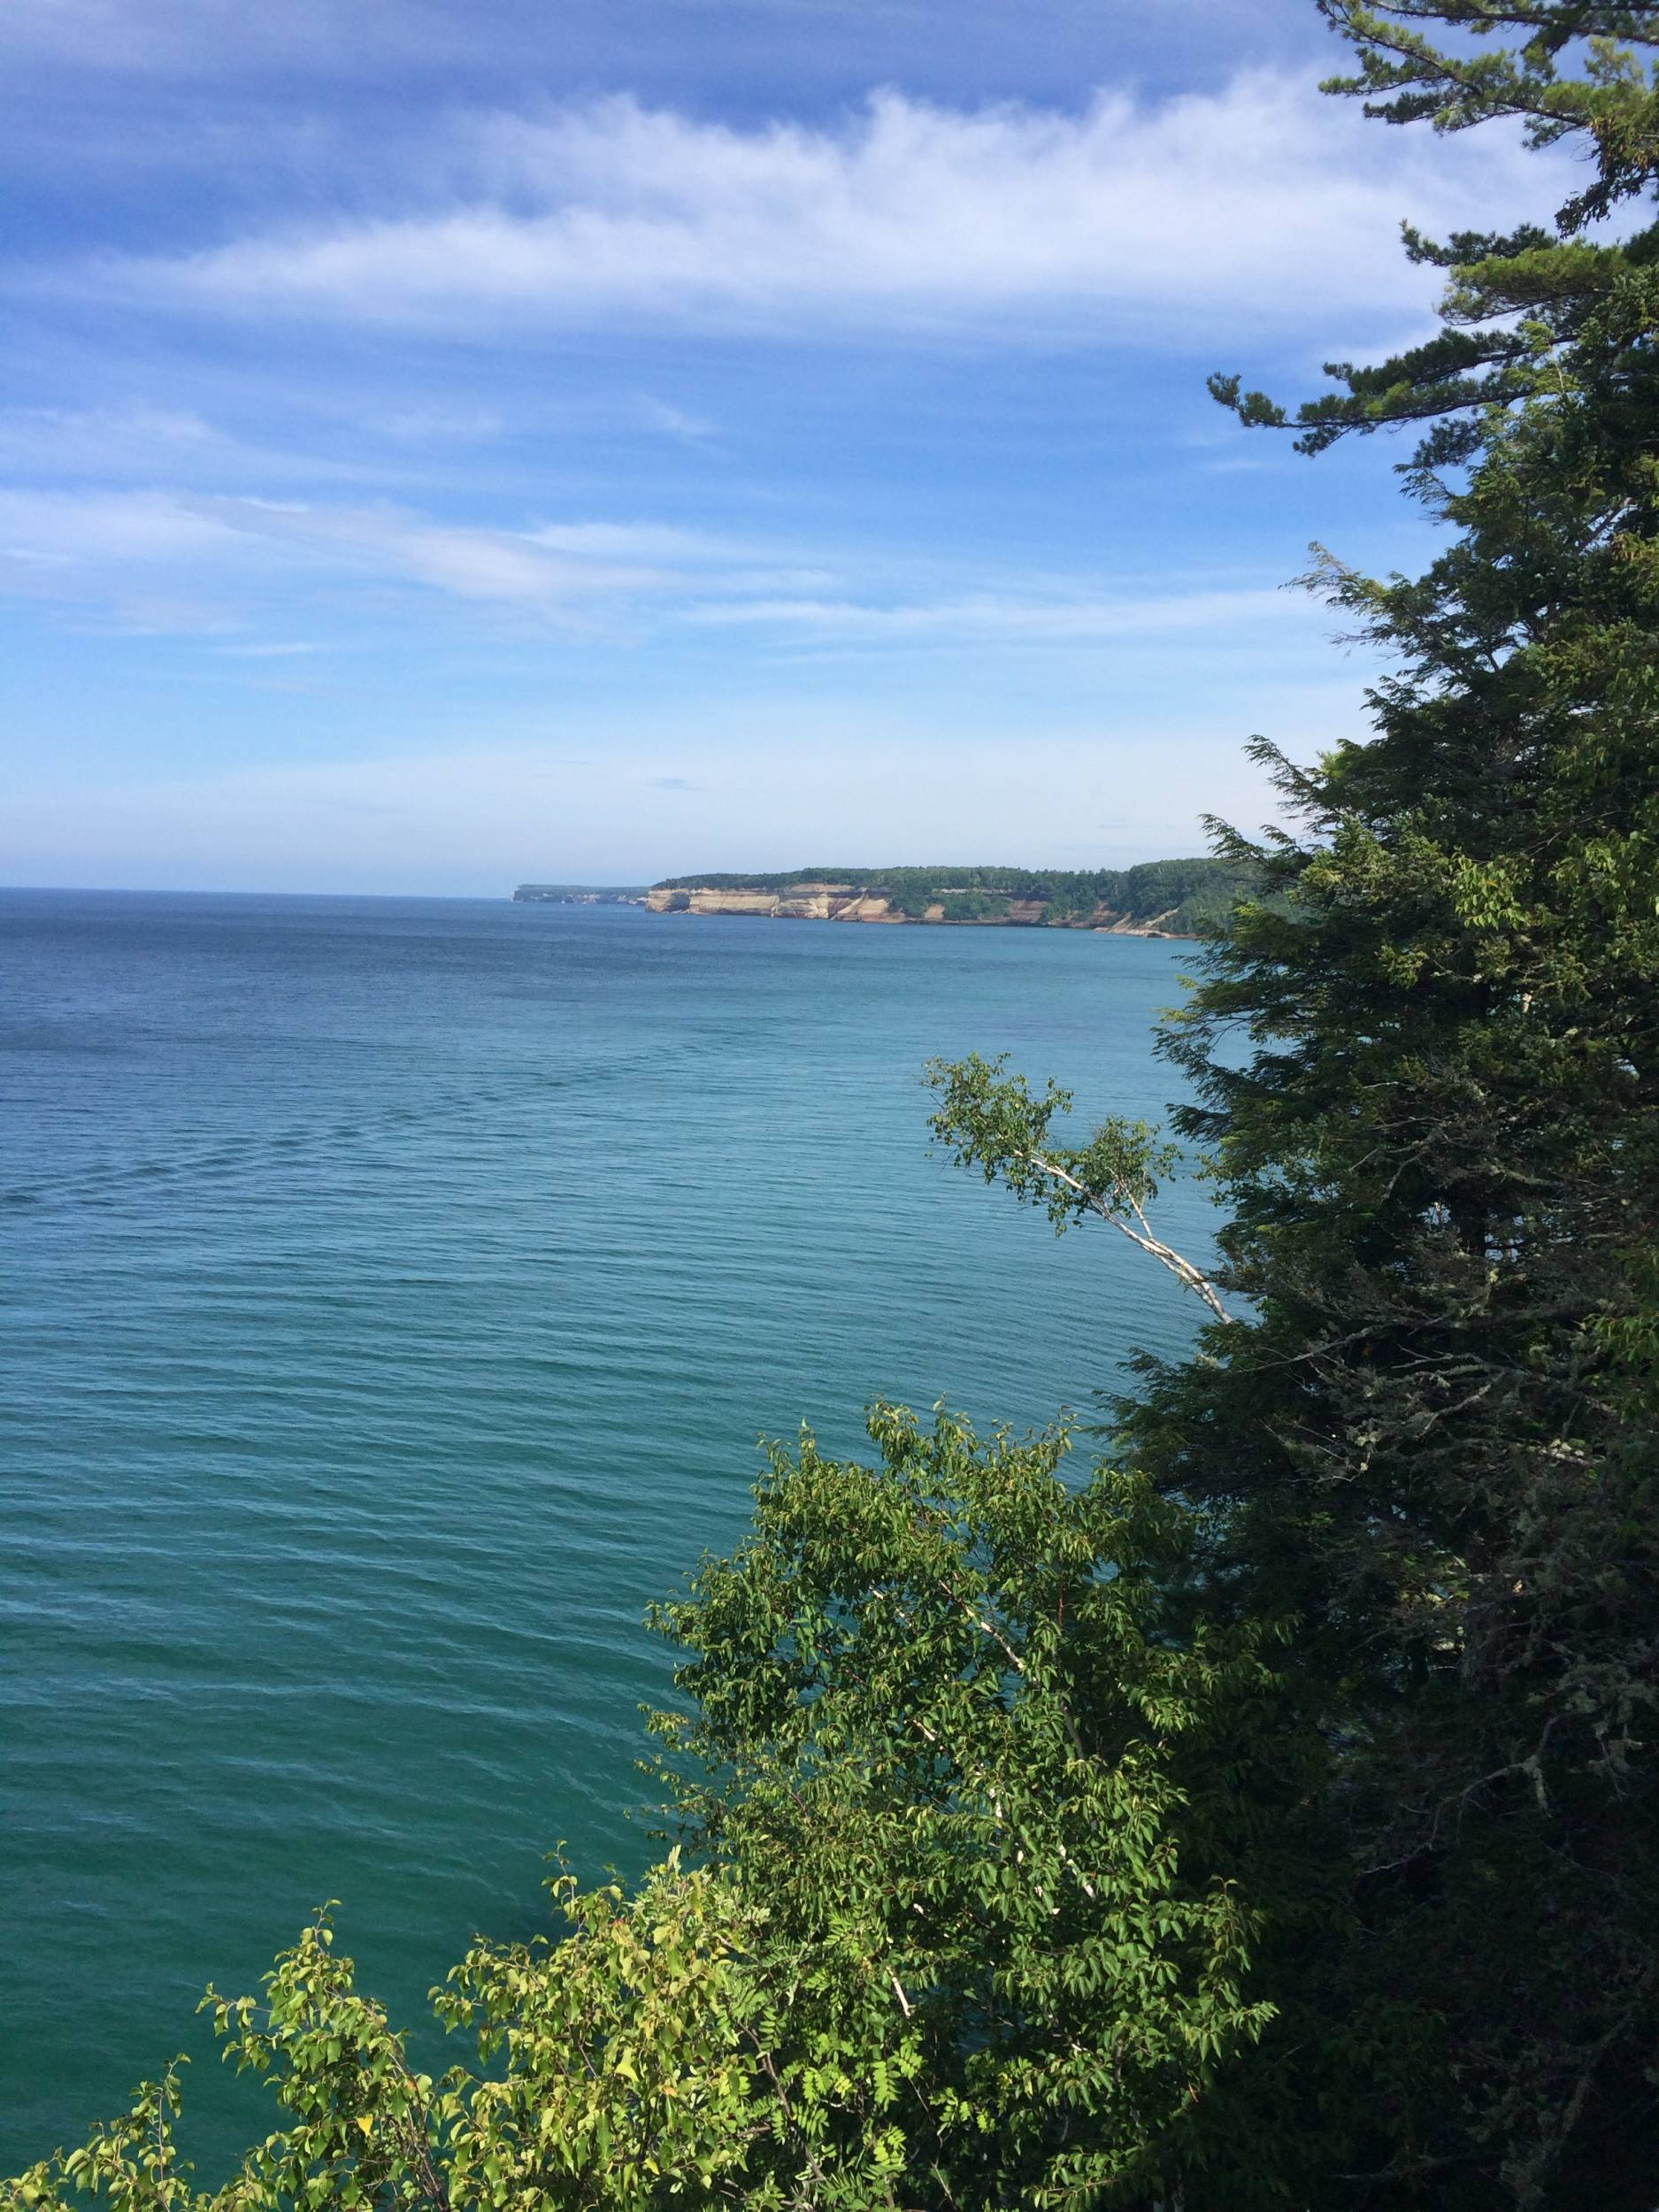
(1159, 898)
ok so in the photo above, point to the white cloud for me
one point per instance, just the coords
(1052, 620)
(133, 441)
(639, 540)
(180, 561)
(74, 528)
(102, 438)
(83, 544)
(502, 566)
(100, 550)
(1258, 203)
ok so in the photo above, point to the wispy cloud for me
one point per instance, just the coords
(1055, 619)
(640, 540)
(82, 545)
(72, 530)
(443, 426)
(104, 439)
(500, 566)
(1260, 201)
(135, 442)
(673, 422)
(103, 550)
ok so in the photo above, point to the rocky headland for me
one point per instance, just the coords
(849, 903)
(1155, 898)
(1158, 898)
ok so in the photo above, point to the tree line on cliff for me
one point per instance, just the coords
(1190, 897)
(1266, 1817)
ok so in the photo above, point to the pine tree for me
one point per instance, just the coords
(1433, 1434)
(1428, 1430)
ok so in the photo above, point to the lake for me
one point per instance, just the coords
(395, 1291)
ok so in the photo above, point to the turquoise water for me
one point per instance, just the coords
(394, 1291)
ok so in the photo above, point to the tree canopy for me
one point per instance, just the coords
(965, 1930)
(1426, 1429)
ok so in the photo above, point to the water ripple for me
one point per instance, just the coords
(395, 1294)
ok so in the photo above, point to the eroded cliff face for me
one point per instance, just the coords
(800, 902)
(846, 903)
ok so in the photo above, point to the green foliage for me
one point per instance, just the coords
(974, 1923)
(1404, 78)
(617, 2080)
(1427, 1432)
(1433, 1436)
(1526, 308)
(989, 1120)
(972, 906)
(939, 1738)
(912, 900)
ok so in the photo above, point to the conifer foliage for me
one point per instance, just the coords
(1429, 1430)
(1433, 1438)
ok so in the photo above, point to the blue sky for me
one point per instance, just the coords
(598, 439)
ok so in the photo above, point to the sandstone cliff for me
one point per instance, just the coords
(1155, 898)
(847, 903)
(798, 903)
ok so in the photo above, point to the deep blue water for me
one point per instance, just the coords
(393, 1293)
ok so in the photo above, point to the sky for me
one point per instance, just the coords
(447, 444)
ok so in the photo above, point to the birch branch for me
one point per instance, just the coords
(1189, 1277)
